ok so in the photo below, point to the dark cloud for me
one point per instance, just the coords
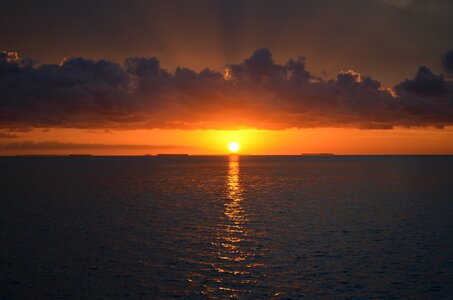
(425, 83)
(9, 56)
(84, 93)
(334, 34)
(55, 145)
(258, 66)
(447, 61)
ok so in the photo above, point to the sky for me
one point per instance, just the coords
(132, 77)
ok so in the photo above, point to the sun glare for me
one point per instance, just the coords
(233, 147)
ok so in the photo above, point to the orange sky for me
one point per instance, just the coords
(336, 66)
(292, 141)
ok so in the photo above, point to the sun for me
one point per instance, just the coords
(233, 147)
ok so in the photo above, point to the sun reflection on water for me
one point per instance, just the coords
(236, 218)
(233, 241)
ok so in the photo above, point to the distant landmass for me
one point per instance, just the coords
(182, 154)
(317, 154)
(45, 155)
(53, 155)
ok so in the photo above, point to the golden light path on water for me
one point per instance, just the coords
(236, 214)
(231, 244)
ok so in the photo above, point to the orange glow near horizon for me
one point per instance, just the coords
(251, 141)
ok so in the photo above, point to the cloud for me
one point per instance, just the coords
(55, 145)
(258, 93)
(5, 135)
(447, 61)
(425, 83)
(423, 7)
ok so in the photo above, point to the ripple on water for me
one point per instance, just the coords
(275, 227)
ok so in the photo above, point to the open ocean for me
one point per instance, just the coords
(256, 227)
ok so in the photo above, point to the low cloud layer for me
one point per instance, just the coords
(55, 145)
(6, 135)
(258, 93)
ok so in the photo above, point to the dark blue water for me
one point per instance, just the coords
(342, 227)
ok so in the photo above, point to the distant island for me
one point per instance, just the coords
(163, 154)
(43, 155)
(317, 154)
(54, 155)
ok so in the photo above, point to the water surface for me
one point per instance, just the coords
(256, 227)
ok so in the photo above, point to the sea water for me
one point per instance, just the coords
(246, 227)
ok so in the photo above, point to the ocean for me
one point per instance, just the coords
(217, 227)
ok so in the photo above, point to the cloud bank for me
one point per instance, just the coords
(257, 93)
(6, 135)
(55, 145)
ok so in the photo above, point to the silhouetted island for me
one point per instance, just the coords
(39, 155)
(317, 154)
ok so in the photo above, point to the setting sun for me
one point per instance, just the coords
(233, 147)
